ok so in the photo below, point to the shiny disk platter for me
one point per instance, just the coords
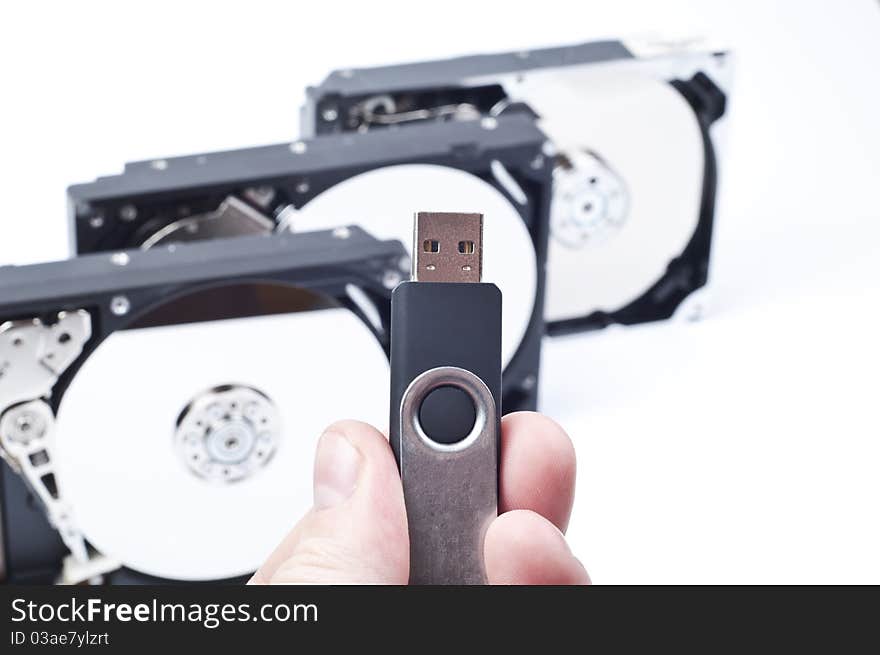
(628, 187)
(167, 415)
(125, 471)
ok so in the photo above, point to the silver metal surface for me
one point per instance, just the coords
(228, 433)
(27, 441)
(451, 490)
(590, 200)
(383, 110)
(32, 356)
(120, 305)
(233, 217)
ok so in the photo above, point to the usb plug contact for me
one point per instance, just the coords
(448, 247)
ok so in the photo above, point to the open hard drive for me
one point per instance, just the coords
(377, 180)
(633, 127)
(159, 409)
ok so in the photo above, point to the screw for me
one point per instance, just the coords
(538, 163)
(24, 422)
(330, 114)
(341, 233)
(391, 279)
(120, 258)
(489, 123)
(159, 164)
(96, 222)
(128, 213)
(298, 147)
(548, 149)
(302, 187)
(25, 426)
(120, 305)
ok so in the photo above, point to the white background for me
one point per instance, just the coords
(743, 448)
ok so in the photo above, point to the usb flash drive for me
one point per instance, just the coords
(445, 398)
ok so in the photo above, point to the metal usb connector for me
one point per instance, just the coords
(448, 247)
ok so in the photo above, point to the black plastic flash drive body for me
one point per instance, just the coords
(445, 399)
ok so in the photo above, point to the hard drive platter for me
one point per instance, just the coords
(157, 406)
(633, 127)
(376, 180)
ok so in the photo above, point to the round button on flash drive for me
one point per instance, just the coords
(447, 414)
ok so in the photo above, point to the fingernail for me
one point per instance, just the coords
(337, 464)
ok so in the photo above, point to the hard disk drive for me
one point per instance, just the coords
(634, 130)
(377, 180)
(159, 409)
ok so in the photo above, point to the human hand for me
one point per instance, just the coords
(356, 531)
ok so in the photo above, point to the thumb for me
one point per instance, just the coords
(356, 531)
